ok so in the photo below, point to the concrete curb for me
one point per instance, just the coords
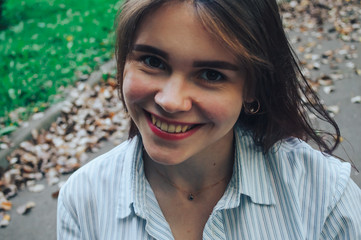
(50, 115)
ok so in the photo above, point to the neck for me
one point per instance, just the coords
(196, 173)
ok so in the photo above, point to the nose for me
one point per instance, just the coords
(173, 96)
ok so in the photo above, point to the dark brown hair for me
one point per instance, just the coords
(253, 31)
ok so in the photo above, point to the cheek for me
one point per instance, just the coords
(135, 87)
(224, 110)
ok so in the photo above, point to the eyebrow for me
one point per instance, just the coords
(197, 64)
(150, 49)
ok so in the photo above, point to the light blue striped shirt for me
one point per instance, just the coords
(293, 192)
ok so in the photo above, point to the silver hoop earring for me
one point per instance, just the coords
(252, 108)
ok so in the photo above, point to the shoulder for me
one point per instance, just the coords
(294, 164)
(100, 173)
(98, 192)
(319, 186)
(307, 162)
(111, 160)
(298, 154)
(311, 171)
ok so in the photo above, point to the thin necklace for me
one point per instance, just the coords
(190, 195)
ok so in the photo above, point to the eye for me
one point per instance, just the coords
(212, 76)
(153, 62)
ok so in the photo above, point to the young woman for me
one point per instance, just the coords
(216, 146)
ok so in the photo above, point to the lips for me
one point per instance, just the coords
(170, 130)
(170, 127)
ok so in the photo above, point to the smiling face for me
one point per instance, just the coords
(182, 89)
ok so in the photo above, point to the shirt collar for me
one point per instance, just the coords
(250, 176)
(130, 177)
(252, 169)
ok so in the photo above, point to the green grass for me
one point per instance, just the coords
(45, 44)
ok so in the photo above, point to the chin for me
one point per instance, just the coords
(163, 157)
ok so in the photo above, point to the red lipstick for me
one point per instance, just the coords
(171, 136)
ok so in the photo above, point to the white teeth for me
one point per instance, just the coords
(184, 128)
(171, 128)
(164, 126)
(178, 129)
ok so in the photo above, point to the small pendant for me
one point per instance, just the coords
(190, 197)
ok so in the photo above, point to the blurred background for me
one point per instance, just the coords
(57, 84)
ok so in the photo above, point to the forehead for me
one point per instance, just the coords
(175, 26)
